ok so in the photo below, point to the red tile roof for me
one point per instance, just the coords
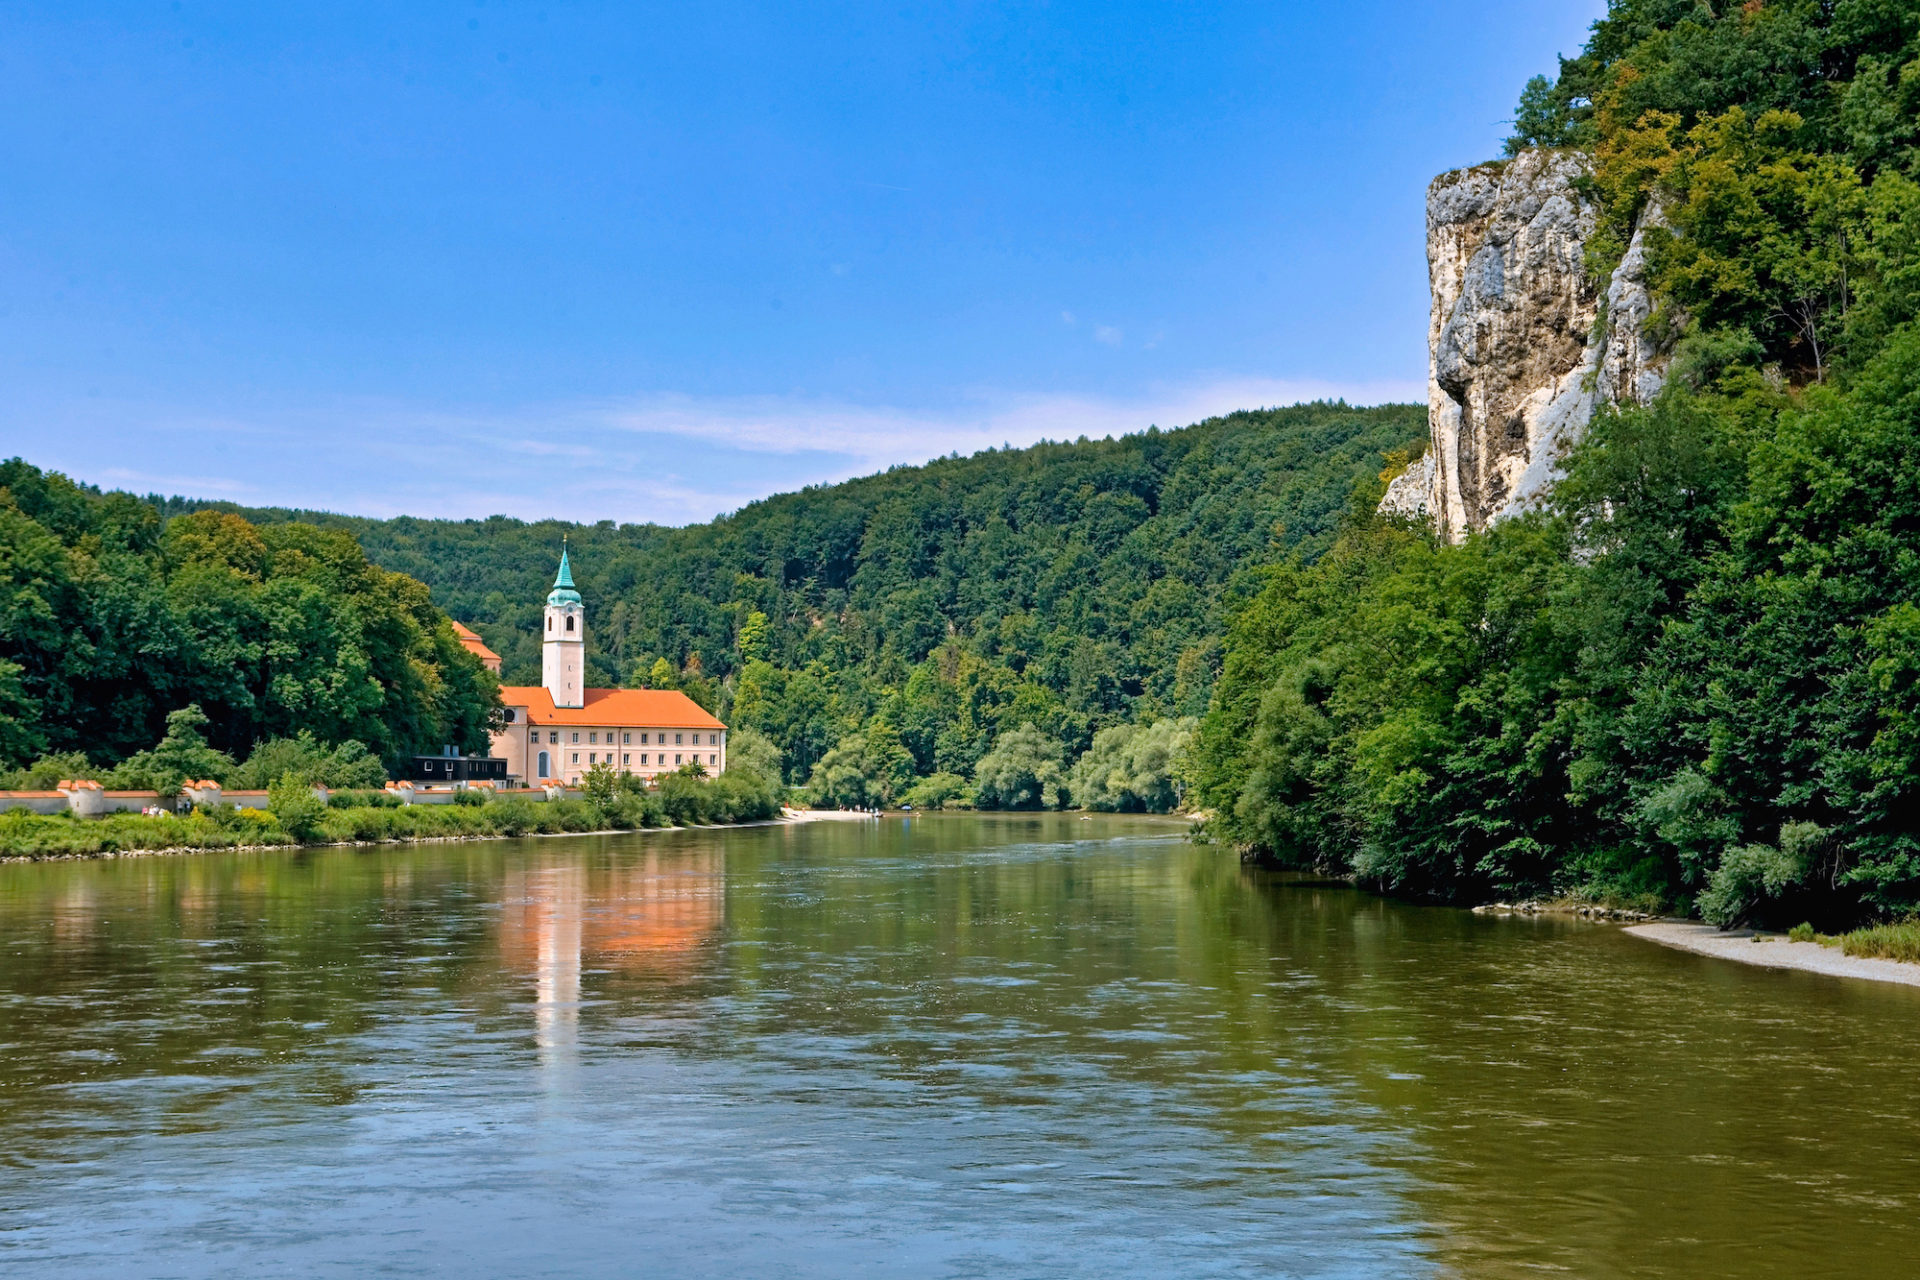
(471, 639)
(619, 708)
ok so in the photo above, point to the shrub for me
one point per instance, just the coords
(598, 785)
(743, 798)
(941, 791)
(686, 799)
(348, 765)
(1021, 772)
(1134, 768)
(43, 774)
(295, 807)
(1750, 875)
(513, 816)
(363, 800)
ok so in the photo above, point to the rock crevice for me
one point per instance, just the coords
(1520, 353)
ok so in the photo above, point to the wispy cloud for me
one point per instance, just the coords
(665, 458)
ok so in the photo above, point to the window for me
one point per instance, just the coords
(554, 737)
(506, 717)
(576, 735)
(713, 759)
(625, 758)
(643, 739)
(593, 737)
(576, 757)
(549, 622)
(546, 766)
(643, 757)
(592, 756)
(676, 757)
(569, 622)
(678, 738)
(626, 739)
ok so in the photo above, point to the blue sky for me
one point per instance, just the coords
(647, 263)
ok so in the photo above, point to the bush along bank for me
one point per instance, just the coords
(295, 815)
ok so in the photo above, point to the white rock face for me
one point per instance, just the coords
(1517, 357)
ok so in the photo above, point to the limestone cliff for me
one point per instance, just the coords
(1520, 352)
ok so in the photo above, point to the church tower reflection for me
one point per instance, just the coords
(647, 918)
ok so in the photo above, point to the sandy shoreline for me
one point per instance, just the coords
(1774, 952)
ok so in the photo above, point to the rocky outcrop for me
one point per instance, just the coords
(1520, 350)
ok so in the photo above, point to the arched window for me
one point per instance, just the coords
(569, 622)
(546, 768)
(549, 624)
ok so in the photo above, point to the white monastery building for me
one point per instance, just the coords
(556, 731)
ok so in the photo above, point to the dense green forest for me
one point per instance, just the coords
(1695, 680)
(116, 623)
(907, 622)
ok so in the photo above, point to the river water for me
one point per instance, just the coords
(944, 1046)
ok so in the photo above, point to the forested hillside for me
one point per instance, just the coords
(112, 619)
(1695, 680)
(915, 617)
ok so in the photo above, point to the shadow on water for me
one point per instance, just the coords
(949, 1045)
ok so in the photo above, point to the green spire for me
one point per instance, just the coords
(563, 592)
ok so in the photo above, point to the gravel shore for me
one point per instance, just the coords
(1774, 951)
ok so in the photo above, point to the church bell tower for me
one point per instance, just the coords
(563, 648)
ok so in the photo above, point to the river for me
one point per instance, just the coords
(942, 1046)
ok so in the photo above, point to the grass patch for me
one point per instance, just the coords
(680, 801)
(1884, 941)
(1899, 941)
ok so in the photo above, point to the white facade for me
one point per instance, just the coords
(563, 655)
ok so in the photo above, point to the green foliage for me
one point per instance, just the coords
(868, 770)
(1704, 656)
(48, 771)
(295, 815)
(1135, 768)
(598, 785)
(1896, 941)
(1696, 678)
(752, 754)
(688, 798)
(347, 765)
(1779, 139)
(1021, 772)
(294, 805)
(1072, 586)
(941, 791)
(363, 800)
(111, 617)
(181, 756)
(1751, 874)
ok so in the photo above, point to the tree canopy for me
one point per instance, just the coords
(1070, 586)
(1694, 679)
(114, 618)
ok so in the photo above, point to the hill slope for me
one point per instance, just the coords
(1070, 585)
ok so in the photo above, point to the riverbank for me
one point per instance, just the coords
(788, 817)
(1774, 951)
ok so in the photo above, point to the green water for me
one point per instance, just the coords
(950, 1046)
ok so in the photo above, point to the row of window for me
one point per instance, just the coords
(593, 736)
(626, 758)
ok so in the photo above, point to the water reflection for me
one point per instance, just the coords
(650, 916)
(957, 1046)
